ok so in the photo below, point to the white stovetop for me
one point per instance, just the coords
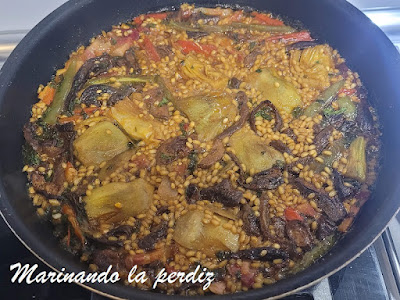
(24, 14)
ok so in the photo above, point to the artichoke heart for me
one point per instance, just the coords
(192, 233)
(100, 143)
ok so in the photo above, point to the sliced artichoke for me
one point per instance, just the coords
(118, 201)
(116, 163)
(138, 124)
(208, 113)
(275, 89)
(253, 152)
(192, 233)
(100, 143)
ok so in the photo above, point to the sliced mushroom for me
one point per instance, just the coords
(321, 140)
(299, 233)
(280, 146)
(266, 180)
(301, 45)
(234, 83)
(251, 58)
(171, 150)
(92, 67)
(156, 234)
(132, 61)
(250, 225)
(344, 189)
(222, 192)
(242, 99)
(264, 216)
(216, 153)
(155, 104)
(192, 194)
(331, 206)
(263, 105)
(325, 227)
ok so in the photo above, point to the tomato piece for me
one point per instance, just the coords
(150, 50)
(301, 36)
(47, 95)
(307, 210)
(291, 214)
(188, 46)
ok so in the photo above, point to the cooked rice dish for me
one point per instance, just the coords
(217, 137)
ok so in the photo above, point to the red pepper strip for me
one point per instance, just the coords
(138, 20)
(150, 50)
(265, 19)
(67, 210)
(291, 214)
(237, 16)
(188, 46)
(87, 110)
(307, 210)
(301, 36)
(348, 92)
(47, 95)
(158, 16)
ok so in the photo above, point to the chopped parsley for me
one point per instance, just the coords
(330, 111)
(30, 156)
(163, 102)
(264, 113)
(223, 255)
(258, 70)
(280, 164)
(183, 126)
(165, 156)
(297, 112)
(113, 41)
(193, 158)
(48, 177)
(252, 45)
